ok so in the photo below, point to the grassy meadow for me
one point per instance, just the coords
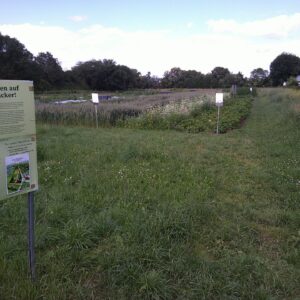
(125, 213)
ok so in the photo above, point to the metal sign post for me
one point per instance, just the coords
(96, 113)
(95, 100)
(219, 103)
(218, 119)
(31, 237)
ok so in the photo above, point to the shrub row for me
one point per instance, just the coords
(201, 118)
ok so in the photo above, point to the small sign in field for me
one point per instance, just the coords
(219, 103)
(95, 98)
(219, 99)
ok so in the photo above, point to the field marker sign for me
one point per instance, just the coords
(219, 103)
(219, 99)
(96, 99)
(18, 157)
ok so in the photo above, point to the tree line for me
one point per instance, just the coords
(16, 62)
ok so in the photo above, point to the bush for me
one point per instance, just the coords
(192, 125)
(201, 118)
(245, 91)
(206, 107)
(292, 81)
(234, 113)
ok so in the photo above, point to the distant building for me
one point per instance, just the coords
(298, 80)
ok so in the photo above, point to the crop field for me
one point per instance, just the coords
(120, 107)
(185, 110)
(130, 213)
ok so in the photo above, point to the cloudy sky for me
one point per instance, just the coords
(157, 35)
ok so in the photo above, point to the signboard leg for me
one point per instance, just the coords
(31, 254)
(218, 120)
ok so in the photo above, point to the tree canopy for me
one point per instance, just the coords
(259, 77)
(105, 75)
(283, 67)
(50, 70)
(16, 62)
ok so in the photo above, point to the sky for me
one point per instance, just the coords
(155, 36)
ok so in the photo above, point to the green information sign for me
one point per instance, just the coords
(18, 161)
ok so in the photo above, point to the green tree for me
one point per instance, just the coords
(283, 67)
(191, 79)
(16, 62)
(52, 72)
(238, 79)
(292, 81)
(105, 75)
(85, 73)
(148, 81)
(172, 78)
(259, 77)
(220, 77)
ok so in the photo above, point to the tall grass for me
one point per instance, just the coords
(83, 114)
(112, 111)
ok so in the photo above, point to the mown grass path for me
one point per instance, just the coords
(137, 214)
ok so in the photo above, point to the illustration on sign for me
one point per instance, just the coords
(17, 173)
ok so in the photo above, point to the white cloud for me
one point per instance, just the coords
(78, 18)
(275, 27)
(189, 25)
(154, 51)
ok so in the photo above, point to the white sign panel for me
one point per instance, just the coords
(219, 99)
(18, 157)
(95, 98)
